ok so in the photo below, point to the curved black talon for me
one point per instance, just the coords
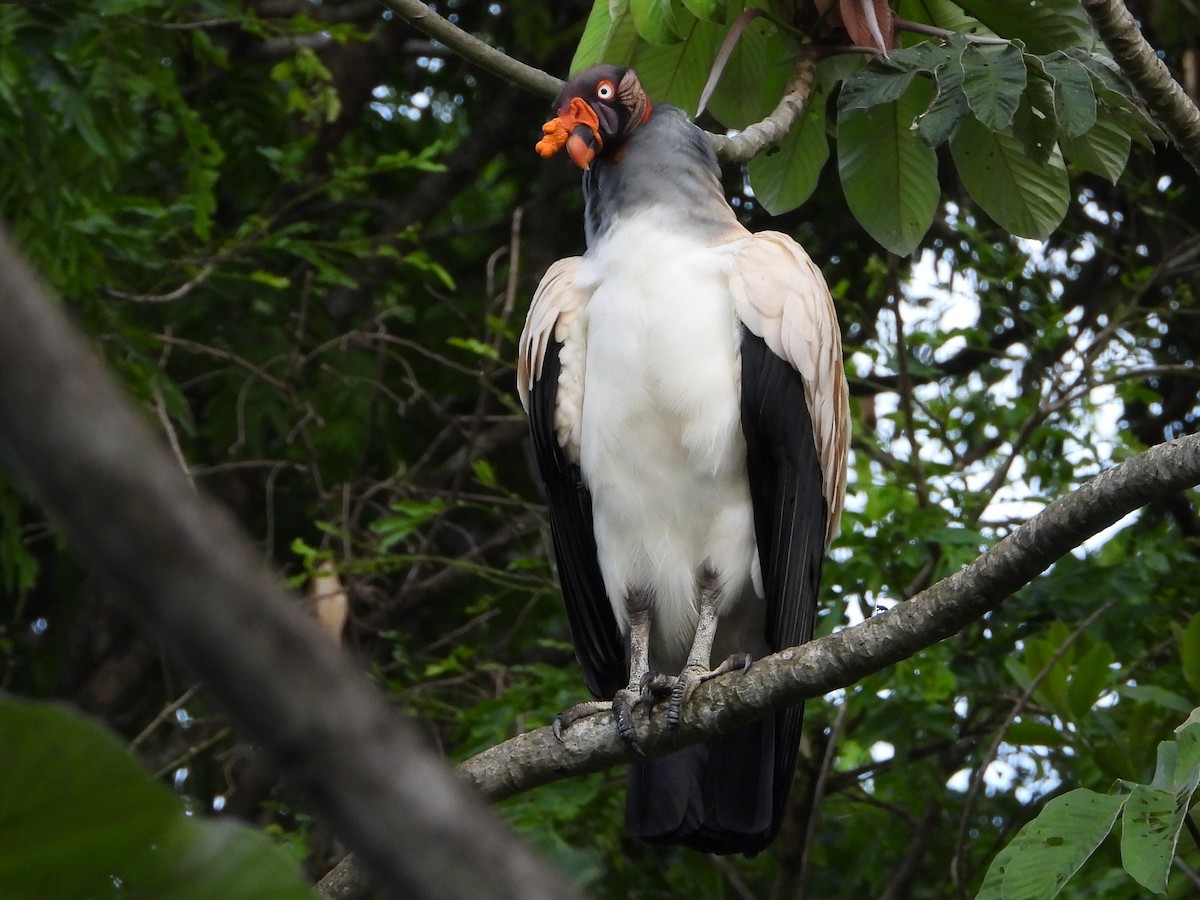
(684, 685)
(623, 705)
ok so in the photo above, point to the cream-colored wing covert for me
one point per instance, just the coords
(550, 377)
(781, 296)
(556, 316)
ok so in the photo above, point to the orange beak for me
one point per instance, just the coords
(578, 129)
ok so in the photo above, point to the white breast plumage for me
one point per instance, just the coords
(661, 444)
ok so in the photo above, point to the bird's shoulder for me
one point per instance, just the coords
(781, 296)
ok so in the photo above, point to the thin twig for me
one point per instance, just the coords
(182, 291)
(167, 711)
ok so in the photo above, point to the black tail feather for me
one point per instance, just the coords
(724, 796)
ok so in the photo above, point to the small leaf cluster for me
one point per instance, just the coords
(1049, 850)
(1014, 122)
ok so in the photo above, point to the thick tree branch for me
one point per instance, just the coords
(843, 658)
(181, 564)
(1149, 74)
(757, 137)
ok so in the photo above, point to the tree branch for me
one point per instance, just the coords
(757, 137)
(472, 49)
(182, 565)
(843, 658)
(1149, 74)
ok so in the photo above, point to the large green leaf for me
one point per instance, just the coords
(887, 77)
(79, 818)
(677, 74)
(1024, 197)
(1035, 123)
(948, 108)
(1104, 150)
(1044, 25)
(655, 21)
(888, 174)
(993, 80)
(1115, 97)
(1074, 97)
(1154, 814)
(754, 77)
(609, 36)
(1051, 848)
(944, 14)
(785, 176)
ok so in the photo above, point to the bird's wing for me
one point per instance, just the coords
(795, 418)
(781, 297)
(550, 381)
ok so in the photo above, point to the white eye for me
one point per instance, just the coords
(605, 90)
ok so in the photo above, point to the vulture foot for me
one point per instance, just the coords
(623, 705)
(693, 676)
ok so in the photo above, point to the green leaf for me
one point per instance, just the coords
(1090, 677)
(409, 516)
(1074, 97)
(279, 282)
(484, 473)
(785, 175)
(708, 10)
(1035, 124)
(948, 108)
(655, 21)
(476, 346)
(677, 74)
(888, 174)
(754, 77)
(1104, 150)
(881, 82)
(1044, 25)
(1152, 693)
(887, 77)
(993, 80)
(608, 36)
(1051, 848)
(1023, 197)
(1115, 97)
(1189, 652)
(78, 818)
(1154, 814)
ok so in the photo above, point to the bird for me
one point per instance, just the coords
(689, 418)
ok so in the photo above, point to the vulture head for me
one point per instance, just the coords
(597, 110)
